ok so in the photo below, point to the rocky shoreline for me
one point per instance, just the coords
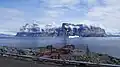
(68, 52)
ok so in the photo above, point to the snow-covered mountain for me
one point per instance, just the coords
(83, 30)
(66, 28)
(113, 32)
(6, 33)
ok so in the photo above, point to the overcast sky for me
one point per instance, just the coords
(103, 13)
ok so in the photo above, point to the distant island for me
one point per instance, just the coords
(6, 35)
(67, 29)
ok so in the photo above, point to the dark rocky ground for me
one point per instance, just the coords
(8, 62)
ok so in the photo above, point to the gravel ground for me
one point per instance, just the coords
(8, 62)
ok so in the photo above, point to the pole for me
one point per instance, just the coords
(65, 38)
(64, 33)
(87, 50)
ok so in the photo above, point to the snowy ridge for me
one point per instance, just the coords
(84, 30)
(71, 30)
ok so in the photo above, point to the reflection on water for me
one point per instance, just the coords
(109, 45)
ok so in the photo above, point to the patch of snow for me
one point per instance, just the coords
(8, 33)
(73, 36)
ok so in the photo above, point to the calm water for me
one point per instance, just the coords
(109, 45)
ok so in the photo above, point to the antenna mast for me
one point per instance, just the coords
(64, 33)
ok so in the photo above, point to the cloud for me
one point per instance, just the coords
(64, 10)
(111, 2)
(108, 16)
(11, 19)
(54, 13)
(60, 3)
(70, 10)
(103, 13)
